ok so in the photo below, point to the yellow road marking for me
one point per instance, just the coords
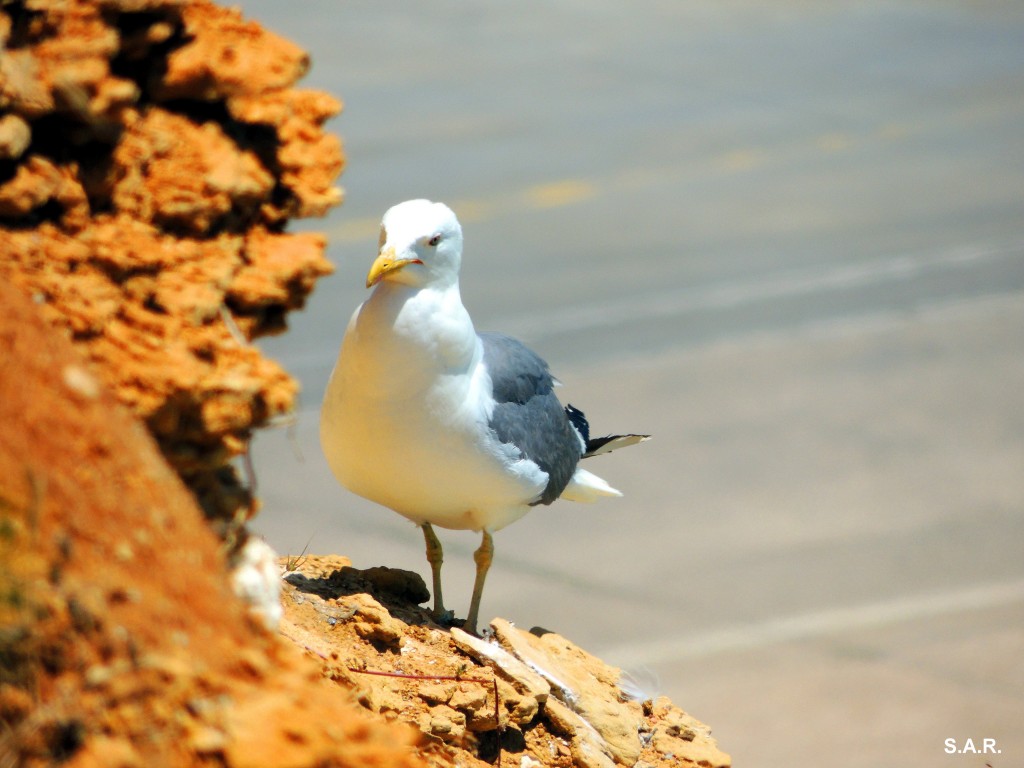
(558, 193)
(834, 142)
(741, 159)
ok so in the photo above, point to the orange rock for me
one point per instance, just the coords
(15, 135)
(281, 268)
(227, 55)
(38, 181)
(309, 159)
(178, 174)
(144, 213)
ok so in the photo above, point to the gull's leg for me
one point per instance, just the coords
(483, 558)
(435, 556)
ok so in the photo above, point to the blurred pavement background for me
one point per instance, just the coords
(788, 240)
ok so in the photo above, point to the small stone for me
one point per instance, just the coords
(81, 382)
(15, 136)
(206, 740)
(169, 667)
(471, 698)
(110, 752)
(102, 675)
(437, 693)
(405, 585)
(375, 624)
(524, 711)
(123, 551)
(447, 724)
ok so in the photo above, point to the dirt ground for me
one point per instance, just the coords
(551, 704)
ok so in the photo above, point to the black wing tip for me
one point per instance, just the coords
(579, 421)
(609, 443)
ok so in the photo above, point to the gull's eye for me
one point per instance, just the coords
(434, 240)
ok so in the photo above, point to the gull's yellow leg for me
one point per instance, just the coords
(483, 558)
(435, 556)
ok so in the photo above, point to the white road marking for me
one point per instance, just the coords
(819, 624)
(733, 294)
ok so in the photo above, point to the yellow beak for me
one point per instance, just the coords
(385, 263)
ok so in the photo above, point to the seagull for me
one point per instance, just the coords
(444, 425)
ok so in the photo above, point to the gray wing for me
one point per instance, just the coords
(528, 414)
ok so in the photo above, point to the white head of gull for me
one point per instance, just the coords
(444, 425)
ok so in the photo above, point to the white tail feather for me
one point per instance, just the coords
(586, 486)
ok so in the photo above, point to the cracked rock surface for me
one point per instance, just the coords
(556, 705)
